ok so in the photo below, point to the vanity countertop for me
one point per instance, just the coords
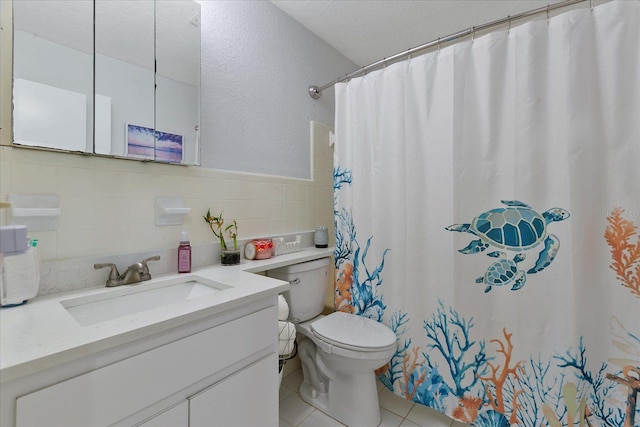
(42, 334)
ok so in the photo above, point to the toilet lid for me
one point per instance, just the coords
(354, 332)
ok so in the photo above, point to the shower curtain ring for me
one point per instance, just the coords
(509, 18)
(473, 33)
(438, 44)
(548, 6)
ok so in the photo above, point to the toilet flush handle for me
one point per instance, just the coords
(295, 281)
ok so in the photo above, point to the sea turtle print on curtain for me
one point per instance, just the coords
(516, 228)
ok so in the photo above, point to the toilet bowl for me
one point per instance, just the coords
(338, 352)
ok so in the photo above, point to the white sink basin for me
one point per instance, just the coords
(137, 298)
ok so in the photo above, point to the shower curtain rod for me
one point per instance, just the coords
(316, 91)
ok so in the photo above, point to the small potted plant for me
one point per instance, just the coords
(228, 255)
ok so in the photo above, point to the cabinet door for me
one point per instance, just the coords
(53, 74)
(178, 416)
(247, 398)
(125, 74)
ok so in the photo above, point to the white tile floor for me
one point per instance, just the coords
(395, 411)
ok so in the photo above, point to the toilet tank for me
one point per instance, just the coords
(309, 281)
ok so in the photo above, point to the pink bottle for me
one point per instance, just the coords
(184, 253)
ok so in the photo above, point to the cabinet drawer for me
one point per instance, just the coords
(111, 393)
(245, 399)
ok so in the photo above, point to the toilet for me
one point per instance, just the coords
(339, 352)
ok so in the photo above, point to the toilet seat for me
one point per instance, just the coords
(353, 332)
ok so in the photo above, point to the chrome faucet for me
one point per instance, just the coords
(136, 272)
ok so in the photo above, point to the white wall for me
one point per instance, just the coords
(257, 64)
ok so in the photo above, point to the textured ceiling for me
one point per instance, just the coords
(369, 30)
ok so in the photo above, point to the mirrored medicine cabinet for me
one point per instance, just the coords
(109, 77)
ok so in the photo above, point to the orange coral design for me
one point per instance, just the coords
(498, 379)
(344, 280)
(467, 409)
(625, 255)
(409, 364)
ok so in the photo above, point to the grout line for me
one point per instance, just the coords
(305, 418)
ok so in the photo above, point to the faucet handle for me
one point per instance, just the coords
(144, 274)
(151, 258)
(113, 274)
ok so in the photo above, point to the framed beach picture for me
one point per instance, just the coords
(148, 143)
(169, 147)
(140, 142)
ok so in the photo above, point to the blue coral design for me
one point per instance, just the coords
(458, 373)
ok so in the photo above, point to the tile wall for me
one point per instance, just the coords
(108, 205)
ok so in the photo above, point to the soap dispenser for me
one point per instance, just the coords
(184, 253)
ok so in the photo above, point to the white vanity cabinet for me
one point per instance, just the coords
(205, 373)
(178, 416)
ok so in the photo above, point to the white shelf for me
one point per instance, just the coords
(39, 212)
(36, 212)
(170, 210)
(176, 211)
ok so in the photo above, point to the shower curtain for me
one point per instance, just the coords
(487, 209)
